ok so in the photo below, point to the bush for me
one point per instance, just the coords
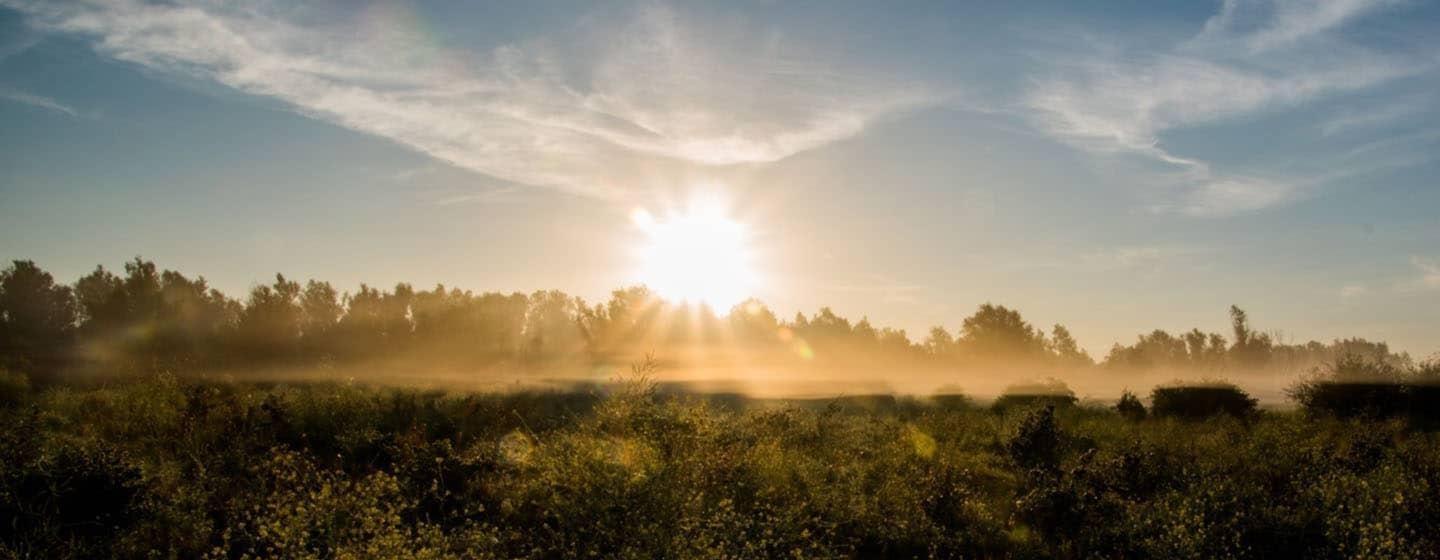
(1195, 402)
(1359, 387)
(950, 397)
(1130, 406)
(1035, 394)
(14, 388)
(1423, 385)
(1038, 442)
(1352, 387)
(69, 503)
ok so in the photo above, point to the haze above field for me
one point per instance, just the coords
(1114, 169)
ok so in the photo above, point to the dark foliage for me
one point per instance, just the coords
(169, 469)
(1130, 406)
(1358, 386)
(1035, 394)
(1037, 443)
(1195, 402)
(146, 320)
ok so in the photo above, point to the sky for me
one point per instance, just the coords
(1112, 166)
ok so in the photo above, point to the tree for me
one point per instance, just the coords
(754, 323)
(101, 297)
(864, 333)
(996, 332)
(270, 324)
(939, 342)
(552, 326)
(320, 311)
(151, 319)
(631, 317)
(1250, 349)
(37, 318)
(1066, 349)
(191, 321)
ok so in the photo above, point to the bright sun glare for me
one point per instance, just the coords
(698, 256)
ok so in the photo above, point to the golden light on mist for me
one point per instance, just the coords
(698, 256)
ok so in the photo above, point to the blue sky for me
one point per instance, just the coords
(1115, 167)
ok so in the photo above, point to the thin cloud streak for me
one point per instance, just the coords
(38, 101)
(579, 113)
(1287, 22)
(1429, 269)
(1119, 105)
(1373, 117)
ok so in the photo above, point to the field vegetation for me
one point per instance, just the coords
(162, 467)
(137, 425)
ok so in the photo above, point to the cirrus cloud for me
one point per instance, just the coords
(1252, 57)
(579, 112)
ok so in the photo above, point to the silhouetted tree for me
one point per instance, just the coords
(270, 325)
(996, 332)
(320, 312)
(1066, 349)
(1249, 349)
(101, 297)
(552, 326)
(939, 343)
(149, 319)
(192, 320)
(37, 318)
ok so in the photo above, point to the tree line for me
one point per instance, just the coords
(147, 319)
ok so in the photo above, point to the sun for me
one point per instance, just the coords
(698, 256)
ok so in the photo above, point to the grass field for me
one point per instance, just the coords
(180, 469)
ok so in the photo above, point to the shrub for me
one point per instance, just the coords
(1037, 442)
(1201, 401)
(14, 388)
(950, 397)
(1423, 385)
(1359, 387)
(1130, 406)
(1033, 394)
(69, 503)
(1352, 387)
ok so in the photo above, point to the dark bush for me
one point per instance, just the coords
(1352, 387)
(1130, 406)
(1360, 387)
(1343, 399)
(950, 397)
(69, 504)
(1423, 386)
(1035, 394)
(1037, 443)
(14, 388)
(1196, 402)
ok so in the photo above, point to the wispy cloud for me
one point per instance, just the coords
(490, 196)
(1374, 116)
(1251, 57)
(38, 101)
(1429, 269)
(580, 112)
(1137, 257)
(1352, 291)
(1224, 196)
(1262, 26)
